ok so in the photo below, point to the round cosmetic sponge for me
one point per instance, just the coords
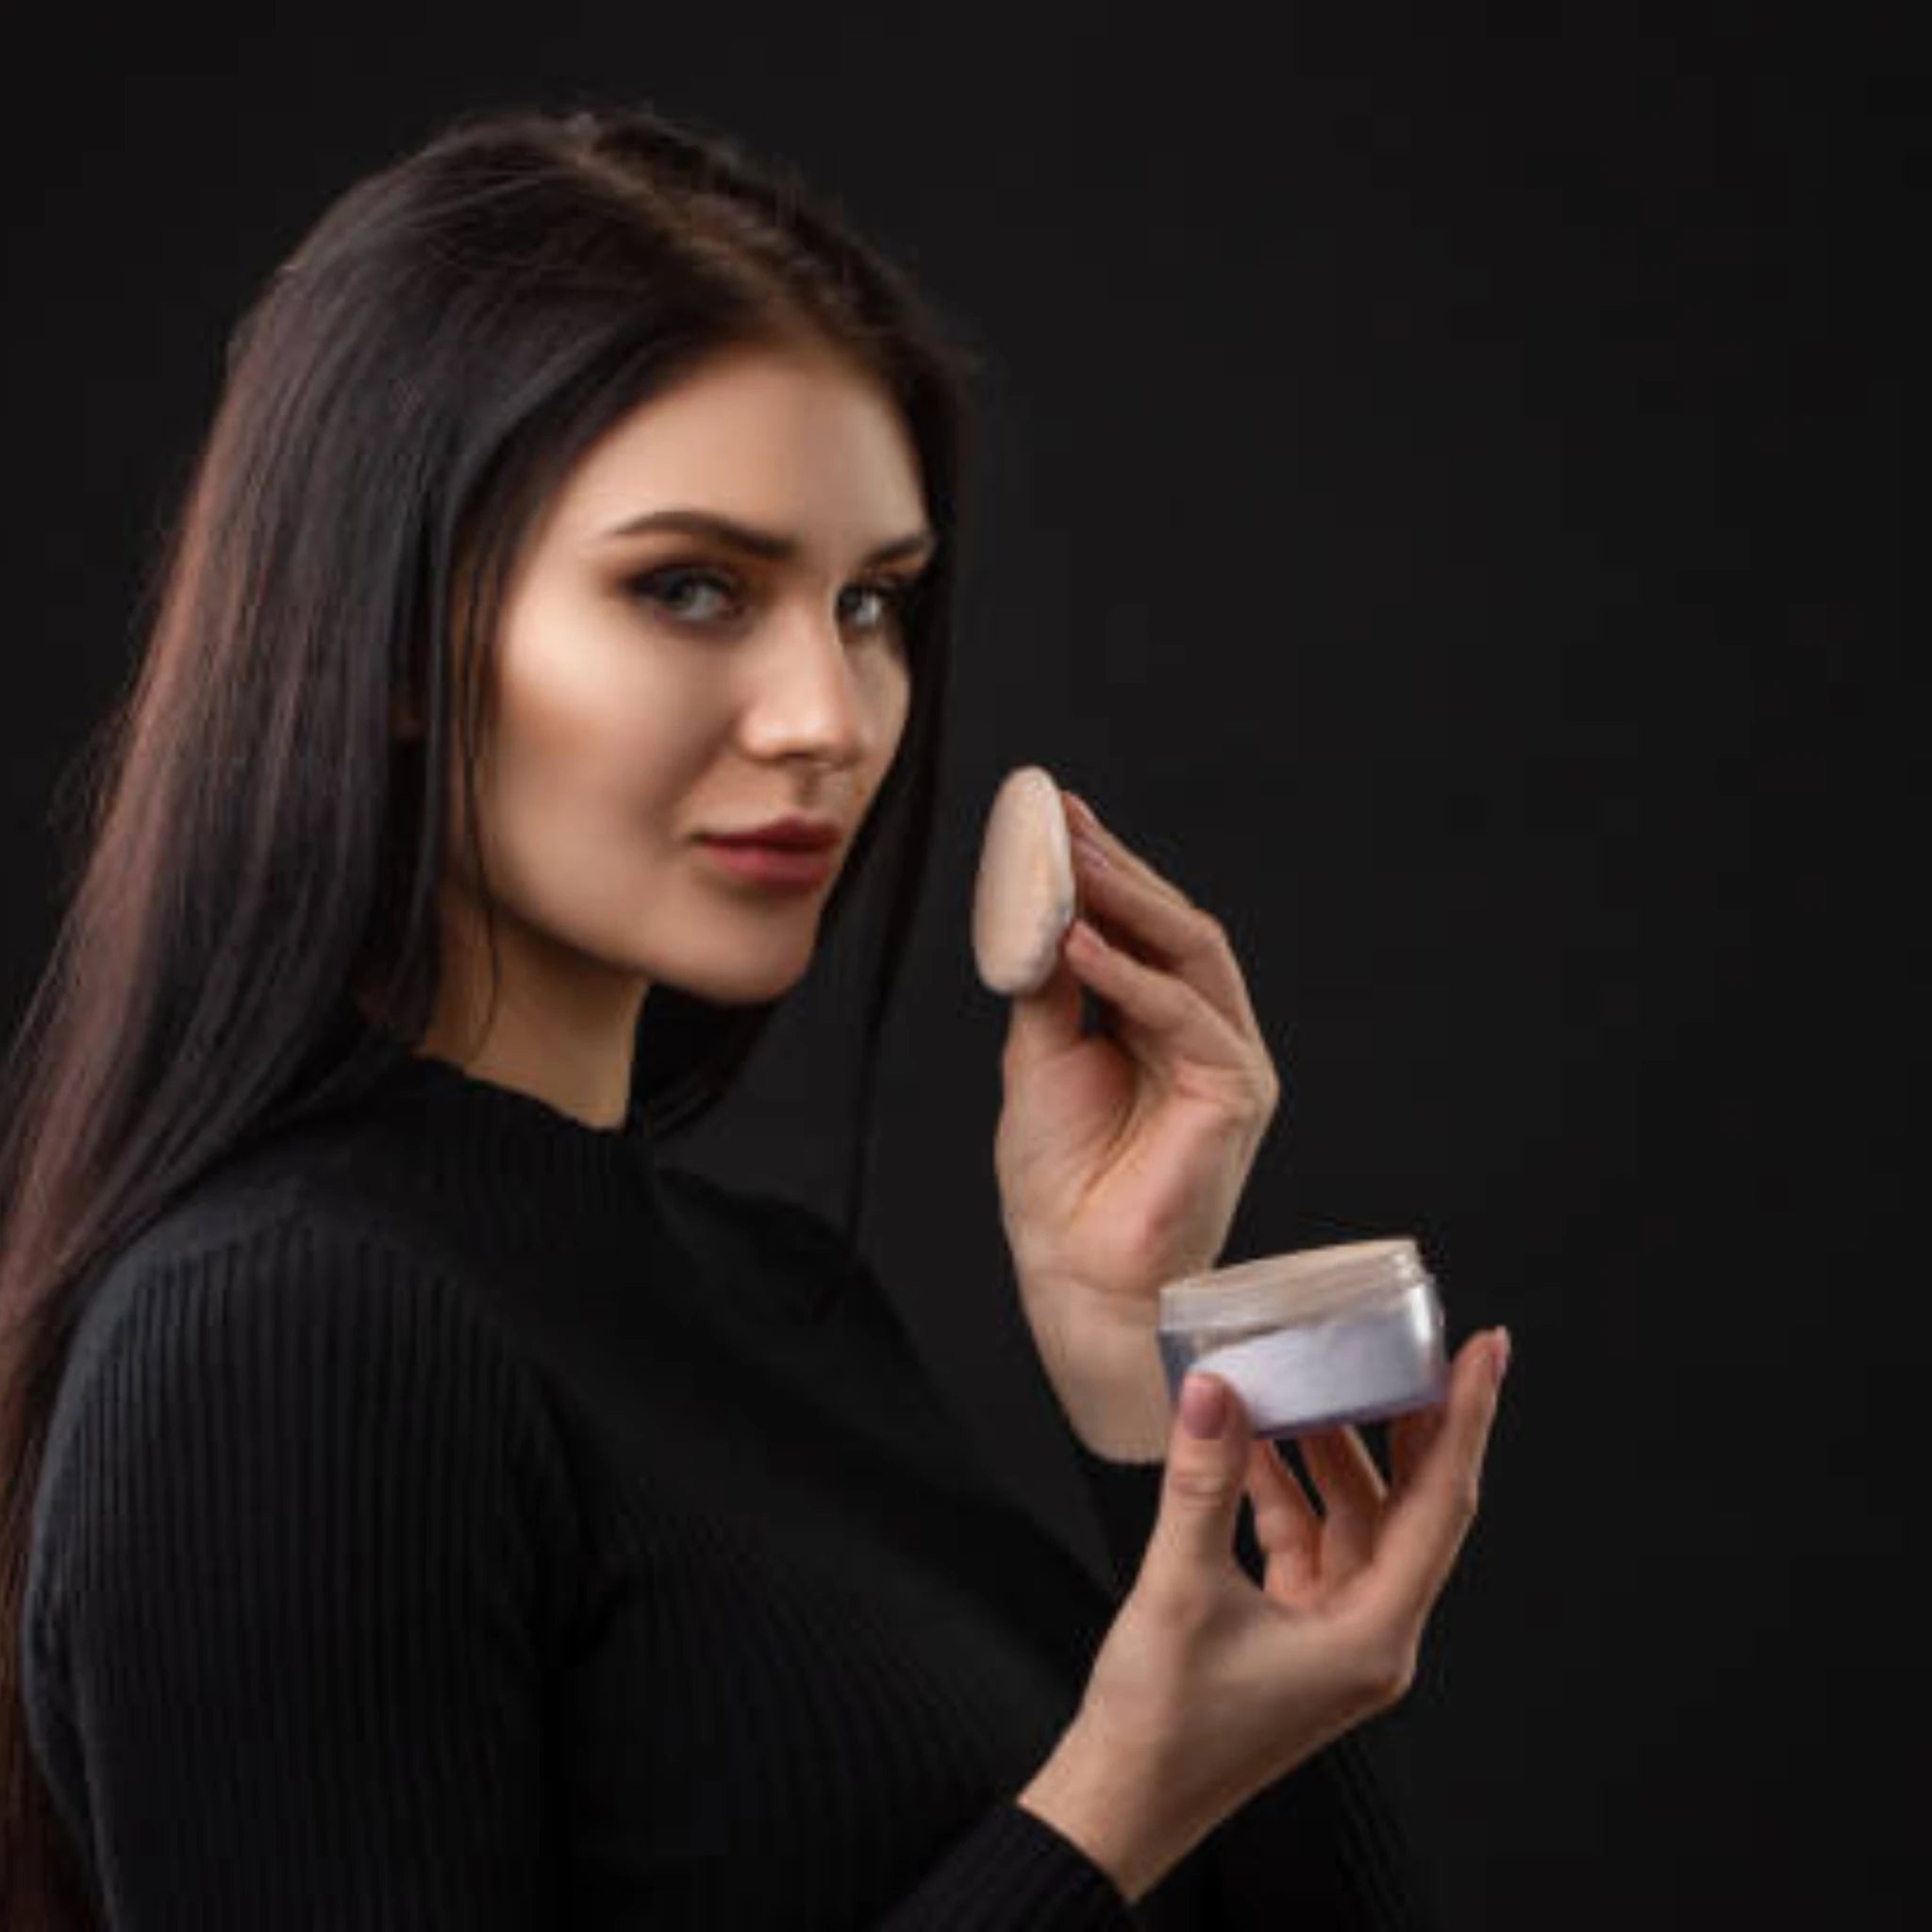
(1024, 901)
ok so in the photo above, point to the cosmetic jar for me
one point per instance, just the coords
(1314, 1339)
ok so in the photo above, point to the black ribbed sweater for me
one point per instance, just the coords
(454, 1517)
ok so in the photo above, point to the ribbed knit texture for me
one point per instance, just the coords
(456, 1517)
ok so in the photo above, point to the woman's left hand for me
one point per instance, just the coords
(1121, 1155)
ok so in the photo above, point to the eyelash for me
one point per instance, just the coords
(898, 593)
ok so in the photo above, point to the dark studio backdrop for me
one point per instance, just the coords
(1442, 505)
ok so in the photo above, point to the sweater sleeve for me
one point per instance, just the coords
(284, 1612)
(1013, 1873)
(304, 1525)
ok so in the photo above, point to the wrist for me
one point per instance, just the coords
(1112, 1388)
(1090, 1797)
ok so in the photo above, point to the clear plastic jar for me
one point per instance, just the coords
(1314, 1339)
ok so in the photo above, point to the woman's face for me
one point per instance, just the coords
(657, 686)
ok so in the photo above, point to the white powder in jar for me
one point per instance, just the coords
(1320, 1374)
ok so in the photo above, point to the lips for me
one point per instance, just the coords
(784, 835)
(745, 841)
(762, 863)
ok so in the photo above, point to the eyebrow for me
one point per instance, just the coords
(766, 543)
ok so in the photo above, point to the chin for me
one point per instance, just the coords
(745, 986)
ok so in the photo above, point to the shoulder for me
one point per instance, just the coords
(258, 1253)
(304, 1546)
(269, 1343)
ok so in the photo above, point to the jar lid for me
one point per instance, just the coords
(1310, 1284)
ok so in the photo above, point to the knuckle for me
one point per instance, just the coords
(1196, 1483)
(1175, 1608)
(1390, 1673)
(1402, 1680)
(1381, 1661)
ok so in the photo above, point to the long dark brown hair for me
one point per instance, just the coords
(401, 400)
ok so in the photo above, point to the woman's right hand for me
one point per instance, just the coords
(1207, 1688)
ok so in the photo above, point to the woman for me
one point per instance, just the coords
(426, 1506)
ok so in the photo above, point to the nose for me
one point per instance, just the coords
(806, 697)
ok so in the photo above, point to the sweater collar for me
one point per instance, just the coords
(495, 1145)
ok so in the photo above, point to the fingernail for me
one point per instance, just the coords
(1499, 1363)
(1204, 1405)
(1082, 810)
(1090, 851)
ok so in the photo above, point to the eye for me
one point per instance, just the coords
(663, 587)
(896, 594)
(668, 588)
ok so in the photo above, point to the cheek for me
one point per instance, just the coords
(591, 741)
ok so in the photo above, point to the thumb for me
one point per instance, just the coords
(1046, 1021)
(1206, 1477)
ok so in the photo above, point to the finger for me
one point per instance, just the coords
(1200, 1497)
(1083, 820)
(1432, 1509)
(1178, 934)
(1410, 1437)
(1086, 827)
(1352, 1494)
(1046, 1021)
(1286, 1529)
(1160, 1005)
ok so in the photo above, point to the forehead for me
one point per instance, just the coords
(790, 441)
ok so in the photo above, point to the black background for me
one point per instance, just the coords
(1444, 508)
